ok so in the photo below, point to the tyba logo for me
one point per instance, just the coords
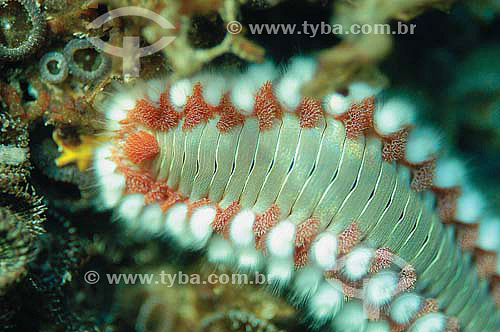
(131, 52)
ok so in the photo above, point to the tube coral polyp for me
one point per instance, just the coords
(319, 193)
(53, 67)
(33, 40)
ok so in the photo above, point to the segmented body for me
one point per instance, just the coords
(292, 188)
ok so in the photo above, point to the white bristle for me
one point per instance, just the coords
(241, 228)
(220, 251)
(152, 219)
(431, 322)
(405, 307)
(423, 144)
(288, 92)
(379, 326)
(103, 164)
(114, 125)
(360, 90)
(300, 70)
(489, 234)
(327, 301)
(200, 223)
(261, 73)
(154, 89)
(212, 86)
(279, 272)
(306, 283)
(117, 114)
(351, 318)
(131, 207)
(302, 67)
(249, 259)
(122, 102)
(112, 187)
(180, 91)
(357, 263)
(381, 287)
(243, 94)
(470, 206)
(449, 173)
(394, 115)
(324, 250)
(336, 104)
(175, 221)
(280, 240)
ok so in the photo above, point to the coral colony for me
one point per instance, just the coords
(325, 196)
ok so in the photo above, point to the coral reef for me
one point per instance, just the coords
(48, 285)
(17, 247)
(183, 54)
(21, 210)
(203, 307)
(14, 152)
(235, 321)
(356, 57)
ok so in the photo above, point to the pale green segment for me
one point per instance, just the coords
(224, 157)
(266, 150)
(366, 182)
(327, 161)
(405, 224)
(462, 294)
(177, 157)
(473, 302)
(245, 153)
(428, 251)
(485, 318)
(440, 272)
(163, 162)
(445, 297)
(305, 157)
(467, 278)
(339, 188)
(190, 165)
(285, 152)
(392, 213)
(471, 309)
(206, 161)
(417, 237)
(160, 160)
(384, 189)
